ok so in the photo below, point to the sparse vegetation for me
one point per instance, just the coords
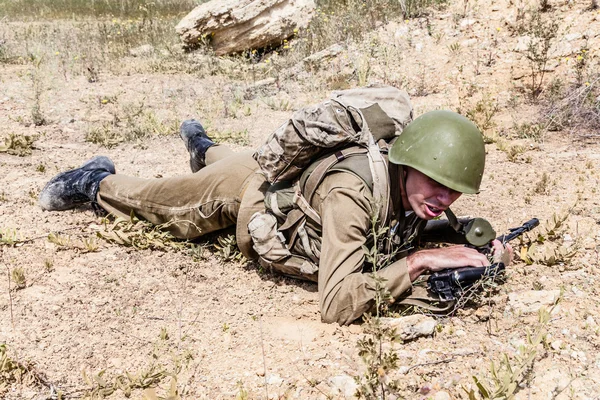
(18, 145)
(511, 375)
(130, 122)
(18, 277)
(542, 32)
(76, 68)
(375, 350)
(16, 372)
(513, 151)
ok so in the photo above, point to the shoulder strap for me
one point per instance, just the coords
(377, 165)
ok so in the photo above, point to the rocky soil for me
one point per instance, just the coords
(226, 329)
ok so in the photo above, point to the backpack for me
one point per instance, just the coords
(347, 132)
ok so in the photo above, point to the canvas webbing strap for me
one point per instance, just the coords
(378, 166)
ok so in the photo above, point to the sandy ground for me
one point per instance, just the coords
(228, 330)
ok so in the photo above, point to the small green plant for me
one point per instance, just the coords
(529, 131)
(542, 33)
(101, 386)
(277, 103)
(164, 334)
(482, 114)
(227, 248)
(37, 115)
(130, 122)
(581, 65)
(59, 240)
(510, 375)
(542, 186)
(18, 145)
(17, 275)
(241, 138)
(454, 48)
(10, 237)
(380, 363)
(48, 265)
(242, 393)
(90, 245)
(547, 246)
(41, 168)
(12, 371)
(140, 235)
(513, 151)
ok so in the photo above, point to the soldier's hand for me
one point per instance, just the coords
(503, 254)
(432, 260)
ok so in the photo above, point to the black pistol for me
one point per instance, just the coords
(450, 283)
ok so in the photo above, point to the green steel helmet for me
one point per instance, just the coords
(446, 147)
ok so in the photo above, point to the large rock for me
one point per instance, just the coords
(237, 25)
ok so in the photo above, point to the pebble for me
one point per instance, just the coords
(556, 345)
(441, 395)
(344, 385)
(274, 379)
(426, 388)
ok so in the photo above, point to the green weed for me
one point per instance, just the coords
(59, 240)
(140, 235)
(17, 275)
(542, 33)
(510, 375)
(528, 130)
(101, 386)
(547, 246)
(46, 9)
(513, 151)
(10, 237)
(241, 138)
(380, 359)
(130, 122)
(18, 145)
(227, 248)
(482, 114)
(16, 372)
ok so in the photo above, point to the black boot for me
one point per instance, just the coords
(75, 187)
(196, 141)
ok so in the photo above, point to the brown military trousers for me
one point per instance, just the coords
(224, 193)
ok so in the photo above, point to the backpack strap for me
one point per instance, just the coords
(379, 173)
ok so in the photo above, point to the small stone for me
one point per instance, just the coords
(572, 36)
(556, 344)
(467, 22)
(260, 372)
(460, 332)
(274, 380)
(426, 388)
(404, 369)
(441, 395)
(343, 385)
(590, 321)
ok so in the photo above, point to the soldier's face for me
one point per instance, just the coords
(426, 197)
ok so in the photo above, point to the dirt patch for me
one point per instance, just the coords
(228, 329)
